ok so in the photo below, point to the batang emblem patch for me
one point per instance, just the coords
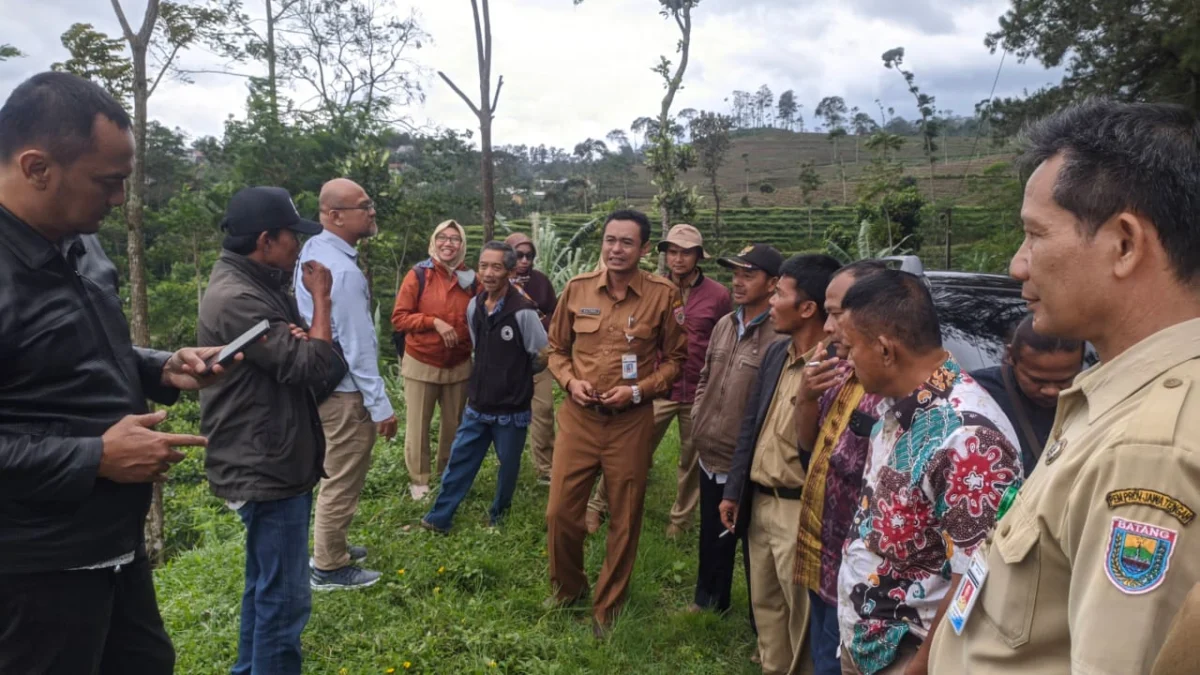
(506, 333)
(679, 316)
(1138, 555)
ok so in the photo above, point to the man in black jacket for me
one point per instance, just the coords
(508, 338)
(762, 495)
(78, 449)
(266, 444)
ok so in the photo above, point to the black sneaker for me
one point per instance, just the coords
(358, 555)
(347, 578)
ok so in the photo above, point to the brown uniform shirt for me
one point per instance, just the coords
(776, 458)
(591, 332)
(1091, 563)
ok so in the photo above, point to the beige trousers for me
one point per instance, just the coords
(780, 606)
(541, 431)
(349, 438)
(687, 479)
(420, 398)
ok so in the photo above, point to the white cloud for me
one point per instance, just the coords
(573, 72)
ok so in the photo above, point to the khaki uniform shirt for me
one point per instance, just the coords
(1090, 564)
(777, 456)
(591, 332)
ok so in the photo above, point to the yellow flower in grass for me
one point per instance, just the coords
(407, 665)
(343, 671)
(492, 664)
(400, 572)
(389, 671)
(437, 590)
(442, 570)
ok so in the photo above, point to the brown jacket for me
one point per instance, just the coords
(444, 298)
(730, 368)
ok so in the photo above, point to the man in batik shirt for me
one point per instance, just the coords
(941, 458)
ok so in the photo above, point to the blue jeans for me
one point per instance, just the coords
(466, 456)
(277, 600)
(823, 636)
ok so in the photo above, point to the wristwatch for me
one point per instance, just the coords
(637, 394)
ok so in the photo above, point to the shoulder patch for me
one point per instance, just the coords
(1138, 555)
(1152, 498)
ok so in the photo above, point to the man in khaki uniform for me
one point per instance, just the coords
(615, 346)
(1089, 565)
(762, 495)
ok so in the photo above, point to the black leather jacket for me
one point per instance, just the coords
(68, 372)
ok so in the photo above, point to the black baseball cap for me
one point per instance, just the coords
(756, 257)
(258, 209)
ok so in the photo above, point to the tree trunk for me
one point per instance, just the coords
(272, 87)
(717, 213)
(949, 226)
(488, 171)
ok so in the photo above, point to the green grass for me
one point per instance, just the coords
(463, 601)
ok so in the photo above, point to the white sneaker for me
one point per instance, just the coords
(418, 492)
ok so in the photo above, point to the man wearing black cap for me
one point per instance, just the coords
(738, 343)
(266, 444)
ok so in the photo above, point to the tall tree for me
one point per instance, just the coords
(710, 138)
(810, 182)
(863, 125)
(787, 109)
(832, 110)
(764, 103)
(644, 127)
(485, 111)
(618, 138)
(928, 127)
(589, 152)
(167, 29)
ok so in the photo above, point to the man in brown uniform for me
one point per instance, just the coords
(605, 341)
(1094, 557)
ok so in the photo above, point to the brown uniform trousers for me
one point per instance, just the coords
(687, 478)
(589, 335)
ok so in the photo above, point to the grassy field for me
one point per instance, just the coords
(467, 603)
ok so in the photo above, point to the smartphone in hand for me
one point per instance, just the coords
(239, 345)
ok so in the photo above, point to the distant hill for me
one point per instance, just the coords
(775, 156)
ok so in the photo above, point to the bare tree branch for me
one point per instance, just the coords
(129, 34)
(148, 21)
(165, 67)
(496, 99)
(458, 91)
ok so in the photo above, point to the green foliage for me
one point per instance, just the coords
(97, 57)
(563, 259)
(466, 603)
(865, 247)
(8, 51)
(1145, 51)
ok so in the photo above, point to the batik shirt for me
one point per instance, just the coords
(940, 461)
(830, 497)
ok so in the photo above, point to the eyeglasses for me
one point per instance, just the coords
(369, 206)
(526, 256)
(447, 239)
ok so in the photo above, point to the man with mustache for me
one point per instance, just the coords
(615, 346)
(1100, 548)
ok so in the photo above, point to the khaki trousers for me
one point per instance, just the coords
(617, 447)
(541, 431)
(687, 479)
(349, 438)
(780, 606)
(420, 399)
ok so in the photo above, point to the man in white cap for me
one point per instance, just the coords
(705, 301)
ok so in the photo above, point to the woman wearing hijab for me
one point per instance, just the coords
(431, 311)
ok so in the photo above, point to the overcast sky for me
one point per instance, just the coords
(574, 72)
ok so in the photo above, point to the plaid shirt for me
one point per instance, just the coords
(831, 492)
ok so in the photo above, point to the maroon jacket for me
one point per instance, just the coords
(706, 303)
(537, 287)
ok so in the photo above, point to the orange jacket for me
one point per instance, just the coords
(443, 298)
